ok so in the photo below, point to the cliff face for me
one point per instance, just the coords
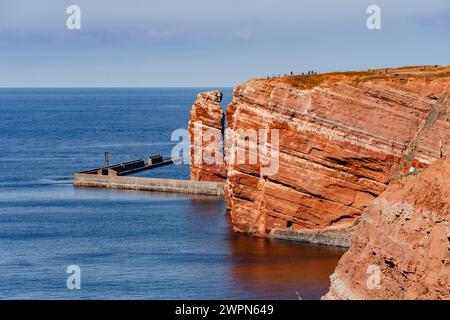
(206, 127)
(404, 235)
(342, 138)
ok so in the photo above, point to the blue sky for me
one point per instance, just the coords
(147, 43)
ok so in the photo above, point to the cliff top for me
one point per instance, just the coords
(400, 74)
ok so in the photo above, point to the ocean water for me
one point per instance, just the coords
(128, 245)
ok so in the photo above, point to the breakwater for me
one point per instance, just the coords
(148, 184)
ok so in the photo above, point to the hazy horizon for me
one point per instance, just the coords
(149, 44)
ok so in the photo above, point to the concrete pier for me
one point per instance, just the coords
(334, 237)
(148, 184)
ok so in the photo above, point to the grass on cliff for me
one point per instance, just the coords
(314, 80)
(305, 82)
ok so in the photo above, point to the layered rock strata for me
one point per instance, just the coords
(339, 139)
(342, 138)
(206, 127)
(401, 247)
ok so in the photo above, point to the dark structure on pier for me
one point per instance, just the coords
(129, 167)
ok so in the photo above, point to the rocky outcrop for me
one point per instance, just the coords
(342, 138)
(401, 247)
(206, 127)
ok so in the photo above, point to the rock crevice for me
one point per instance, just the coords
(343, 137)
(206, 126)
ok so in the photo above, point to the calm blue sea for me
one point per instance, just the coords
(129, 245)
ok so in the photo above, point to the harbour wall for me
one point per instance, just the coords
(149, 184)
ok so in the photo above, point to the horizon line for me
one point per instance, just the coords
(113, 87)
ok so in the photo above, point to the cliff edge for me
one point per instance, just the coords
(338, 139)
(342, 138)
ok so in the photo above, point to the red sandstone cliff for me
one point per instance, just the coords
(206, 123)
(405, 234)
(342, 138)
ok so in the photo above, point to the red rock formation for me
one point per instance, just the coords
(342, 138)
(206, 117)
(405, 236)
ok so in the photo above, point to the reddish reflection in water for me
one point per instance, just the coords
(274, 269)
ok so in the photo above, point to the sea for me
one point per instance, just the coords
(124, 244)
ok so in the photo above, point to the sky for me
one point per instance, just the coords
(211, 43)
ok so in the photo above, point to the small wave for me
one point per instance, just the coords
(52, 180)
(61, 179)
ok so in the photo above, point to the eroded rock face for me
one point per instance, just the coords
(405, 236)
(205, 125)
(342, 138)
